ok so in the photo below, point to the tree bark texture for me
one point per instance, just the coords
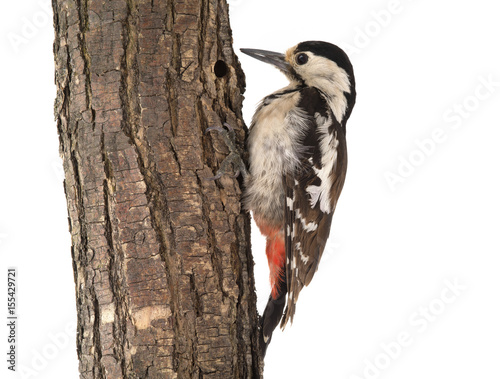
(161, 256)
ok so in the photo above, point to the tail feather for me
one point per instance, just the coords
(276, 257)
(271, 317)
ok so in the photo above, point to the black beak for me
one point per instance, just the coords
(276, 59)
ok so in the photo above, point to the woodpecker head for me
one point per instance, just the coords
(317, 64)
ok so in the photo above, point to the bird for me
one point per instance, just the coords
(297, 163)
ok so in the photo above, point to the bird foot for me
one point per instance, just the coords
(234, 158)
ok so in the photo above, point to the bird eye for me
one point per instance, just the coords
(301, 58)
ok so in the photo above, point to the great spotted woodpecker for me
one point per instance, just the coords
(297, 166)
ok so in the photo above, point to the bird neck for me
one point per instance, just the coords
(333, 90)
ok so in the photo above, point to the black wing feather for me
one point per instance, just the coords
(308, 220)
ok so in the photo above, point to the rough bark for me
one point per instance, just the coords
(162, 263)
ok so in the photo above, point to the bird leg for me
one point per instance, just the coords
(234, 158)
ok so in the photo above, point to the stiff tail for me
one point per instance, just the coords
(271, 317)
(276, 257)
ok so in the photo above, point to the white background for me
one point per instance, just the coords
(380, 305)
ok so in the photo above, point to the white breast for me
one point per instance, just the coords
(273, 146)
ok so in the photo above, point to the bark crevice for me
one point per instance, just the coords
(163, 270)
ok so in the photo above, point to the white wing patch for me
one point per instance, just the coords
(303, 257)
(328, 145)
(308, 226)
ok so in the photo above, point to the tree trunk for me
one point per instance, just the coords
(161, 256)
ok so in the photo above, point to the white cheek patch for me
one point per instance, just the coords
(330, 79)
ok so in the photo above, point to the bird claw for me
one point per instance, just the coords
(234, 158)
(218, 128)
(218, 176)
(229, 127)
(228, 135)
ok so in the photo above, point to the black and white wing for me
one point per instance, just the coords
(312, 192)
